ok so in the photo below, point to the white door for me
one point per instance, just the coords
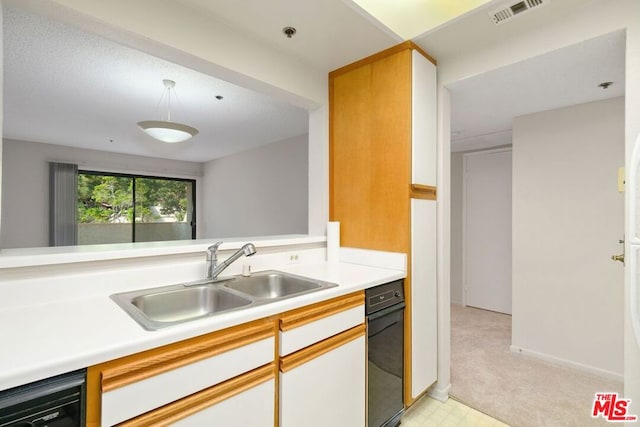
(487, 230)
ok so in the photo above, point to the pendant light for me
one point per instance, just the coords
(168, 131)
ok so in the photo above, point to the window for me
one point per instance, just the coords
(121, 208)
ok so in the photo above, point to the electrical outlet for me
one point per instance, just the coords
(294, 259)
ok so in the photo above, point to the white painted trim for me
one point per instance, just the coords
(463, 261)
(440, 393)
(490, 151)
(443, 214)
(558, 361)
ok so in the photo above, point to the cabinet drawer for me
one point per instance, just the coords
(140, 383)
(306, 326)
(247, 400)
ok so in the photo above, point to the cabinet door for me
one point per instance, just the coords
(125, 388)
(423, 125)
(369, 150)
(424, 333)
(324, 385)
(247, 400)
(253, 407)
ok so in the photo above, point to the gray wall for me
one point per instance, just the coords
(567, 218)
(263, 191)
(25, 183)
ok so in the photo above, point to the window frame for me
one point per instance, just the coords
(193, 222)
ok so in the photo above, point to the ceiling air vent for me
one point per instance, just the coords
(513, 9)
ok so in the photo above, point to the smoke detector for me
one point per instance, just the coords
(515, 8)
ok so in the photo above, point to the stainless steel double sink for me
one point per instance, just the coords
(157, 308)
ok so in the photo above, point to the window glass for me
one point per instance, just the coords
(114, 208)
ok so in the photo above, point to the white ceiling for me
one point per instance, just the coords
(66, 86)
(330, 33)
(69, 87)
(483, 107)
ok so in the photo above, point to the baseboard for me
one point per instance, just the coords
(568, 363)
(458, 303)
(439, 392)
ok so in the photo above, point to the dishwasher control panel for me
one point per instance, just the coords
(383, 296)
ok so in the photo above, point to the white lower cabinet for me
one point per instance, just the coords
(323, 364)
(229, 377)
(327, 390)
(186, 382)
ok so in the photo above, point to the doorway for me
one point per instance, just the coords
(487, 230)
(566, 218)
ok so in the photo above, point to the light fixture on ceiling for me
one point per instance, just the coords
(167, 131)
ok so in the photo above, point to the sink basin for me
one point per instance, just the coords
(170, 305)
(272, 285)
(156, 308)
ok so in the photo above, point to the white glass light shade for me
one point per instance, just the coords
(169, 132)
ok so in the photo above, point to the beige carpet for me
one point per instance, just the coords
(516, 389)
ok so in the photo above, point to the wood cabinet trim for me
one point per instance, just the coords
(303, 356)
(302, 316)
(199, 401)
(425, 192)
(408, 45)
(94, 397)
(137, 367)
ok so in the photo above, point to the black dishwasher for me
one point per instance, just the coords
(54, 402)
(385, 337)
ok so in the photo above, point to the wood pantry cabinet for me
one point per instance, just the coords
(382, 167)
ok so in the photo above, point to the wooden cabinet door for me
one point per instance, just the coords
(370, 152)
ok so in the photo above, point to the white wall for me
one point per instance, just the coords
(263, 191)
(186, 36)
(567, 218)
(456, 227)
(594, 18)
(25, 184)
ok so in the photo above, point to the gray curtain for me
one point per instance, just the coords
(63, 188)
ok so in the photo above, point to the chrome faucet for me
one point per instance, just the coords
(213, 269)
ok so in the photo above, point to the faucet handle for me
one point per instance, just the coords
(213, 249)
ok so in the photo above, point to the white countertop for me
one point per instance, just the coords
(63, 335)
